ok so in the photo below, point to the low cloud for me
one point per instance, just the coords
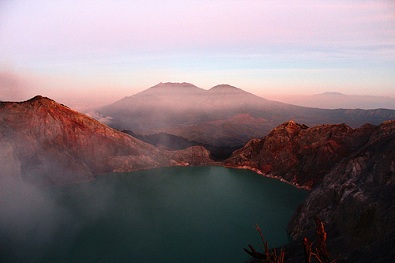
(95, 115)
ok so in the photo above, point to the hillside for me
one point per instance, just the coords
(351, 173)
(356, 201)
(298, 154)
(44, 142)
(222, 116)
(173, 142)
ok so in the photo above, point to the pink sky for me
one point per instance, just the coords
(112, 49)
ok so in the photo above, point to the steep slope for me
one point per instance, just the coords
(47, 143)
(356, 201)
(210, 116)
(163, 105)
(298, 154)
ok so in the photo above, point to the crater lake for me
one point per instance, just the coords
(173, 214)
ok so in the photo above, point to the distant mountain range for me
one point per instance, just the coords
(222, 116)
(336, 100)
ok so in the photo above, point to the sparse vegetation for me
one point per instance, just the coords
(312, 252)
(319, 253)
(269, 255)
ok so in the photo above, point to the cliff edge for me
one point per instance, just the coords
(45, 142)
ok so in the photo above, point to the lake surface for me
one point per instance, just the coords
(175, 214)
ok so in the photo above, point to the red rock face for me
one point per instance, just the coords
(352, 176)
(356, 201)
(299, 154)
(49, 143)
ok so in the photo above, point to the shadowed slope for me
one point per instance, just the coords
(352, 176)
(356, 201)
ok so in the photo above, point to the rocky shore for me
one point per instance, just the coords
(352, 179)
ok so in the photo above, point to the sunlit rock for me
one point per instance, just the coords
(49, 143)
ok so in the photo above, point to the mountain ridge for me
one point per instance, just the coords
(299, 154)
(50, 143)
(226, 88)
(184, 113)
(351, 175)
(355, 201)
(164, 87)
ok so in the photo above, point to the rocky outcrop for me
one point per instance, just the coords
(353, 174)
(298, 154)
(356, 201)
(48, 143)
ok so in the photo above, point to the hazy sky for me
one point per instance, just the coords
(106, 50)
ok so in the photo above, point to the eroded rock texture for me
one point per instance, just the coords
(352, 176)
(48, 143)
(298, 154)
(356, 201)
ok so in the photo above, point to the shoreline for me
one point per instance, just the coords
(246, 167)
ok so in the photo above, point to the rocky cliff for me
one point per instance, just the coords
(352, 176)
(48, 143)
(356, 201)
(298, 154)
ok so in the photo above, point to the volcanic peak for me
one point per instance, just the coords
(289, 127)
(173, 89)
(37, 98)
(174, 85)
(226, 88)
(33, 103)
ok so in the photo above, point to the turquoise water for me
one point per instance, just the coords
(175, 214)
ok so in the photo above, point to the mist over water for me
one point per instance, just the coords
(177, 214)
